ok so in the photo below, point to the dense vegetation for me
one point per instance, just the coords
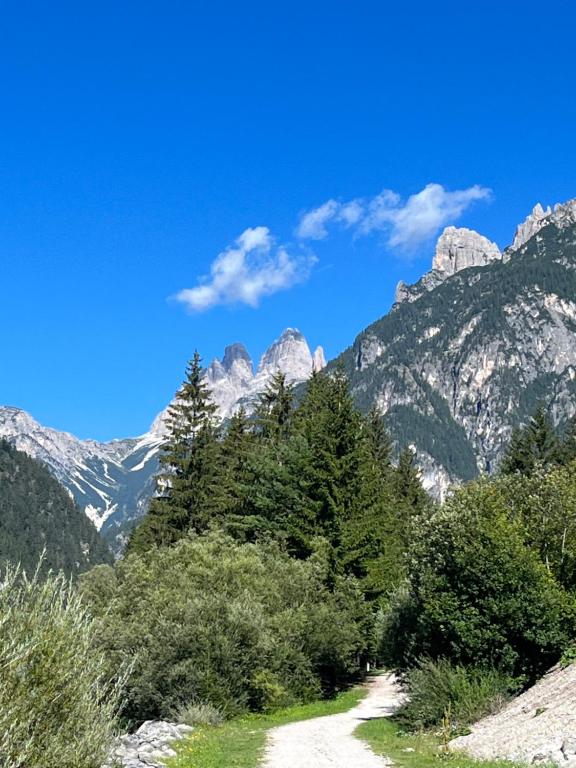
(255, 579)
(286, 549)
(490, 588)
(237, 626)
(57, 705)
(37, 516)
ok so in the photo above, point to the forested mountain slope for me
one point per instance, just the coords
(468, 352)
(37, 515)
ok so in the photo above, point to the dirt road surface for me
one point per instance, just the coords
(328, 742)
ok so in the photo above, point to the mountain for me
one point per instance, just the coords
(464, 355)
(113, 481)
(37, 516)
(467, 353)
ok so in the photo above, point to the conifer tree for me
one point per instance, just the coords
(407, 481)
(274, 409)
(329, 426)
(238, 447)
(373, 536)
(536, 444)
(568, 447)
(187, 489)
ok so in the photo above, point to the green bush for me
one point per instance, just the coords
(197, 714)
(57, 706)
(236, 626)
(478, 593)
(471, 693)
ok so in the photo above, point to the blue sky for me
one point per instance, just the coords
(144, 144)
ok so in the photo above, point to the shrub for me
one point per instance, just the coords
(237, 626)
(471, 693)
(57, 706)
(478, 594)
(198, 714)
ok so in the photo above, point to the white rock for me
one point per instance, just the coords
(460, 248)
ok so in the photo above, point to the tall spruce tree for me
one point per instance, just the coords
(536, 444)
(407, 481)
(188, 488)
(568, 446)
(373, 539)
(275, 409)
(329, 426)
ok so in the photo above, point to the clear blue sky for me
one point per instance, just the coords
(139, 140)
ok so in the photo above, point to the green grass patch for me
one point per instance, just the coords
(416, 750)
(239, 743)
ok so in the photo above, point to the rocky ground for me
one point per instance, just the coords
(148, 747)
(537, 727)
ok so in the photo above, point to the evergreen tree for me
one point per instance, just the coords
(407, 481)
(568, 446)
(330, 425)
(188, 489)
(237, 475)
(373, 535)
(275, 408)
(536, 444)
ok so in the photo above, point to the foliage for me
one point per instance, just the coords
(236, 626)
(569, 656)
(189, 486)
(311, 475)
(239, 743)
(469, 693)
(57, 704)
(544, 503)
(416, 750)
(477, 594)
(37, 517)
(198, 714)
(536, 445)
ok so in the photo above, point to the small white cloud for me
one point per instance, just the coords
(428, 211)
(406, 224)
(245, 272)
(313, 224)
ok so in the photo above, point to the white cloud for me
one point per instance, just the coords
(313, 224)
(406, 224)
(245, 272)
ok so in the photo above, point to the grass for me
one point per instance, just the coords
(239, 743)
(416, 750)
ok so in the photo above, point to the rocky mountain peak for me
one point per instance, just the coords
(319, 361)
(459, 248)
(290, 354)
(530, 226)
(236, 352)
(563, 215)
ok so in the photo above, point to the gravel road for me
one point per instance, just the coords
(327, 742)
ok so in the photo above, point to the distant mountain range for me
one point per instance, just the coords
(462, 357)
(469, 351)
(113, 481)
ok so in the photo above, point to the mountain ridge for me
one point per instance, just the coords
(463, 356)
(112, 481)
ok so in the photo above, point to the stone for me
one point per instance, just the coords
(569, 746)
(149, 746)
(530, 226)
(460, 248)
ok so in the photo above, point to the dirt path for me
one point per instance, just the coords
(327, 742)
